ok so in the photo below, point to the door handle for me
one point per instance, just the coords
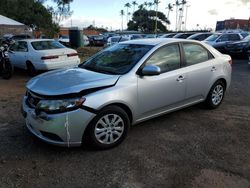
(213, 69)
(180, 78)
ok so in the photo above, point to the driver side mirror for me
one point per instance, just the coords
(150, 70)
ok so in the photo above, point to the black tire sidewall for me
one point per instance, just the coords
(91, 127)
(31, 69)
(7, 73)
(209, 101)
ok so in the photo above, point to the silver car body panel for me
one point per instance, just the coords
(68, 81)
(145, 96)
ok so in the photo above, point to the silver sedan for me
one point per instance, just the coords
(123, 85)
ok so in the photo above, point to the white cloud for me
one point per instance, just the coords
(83, 21)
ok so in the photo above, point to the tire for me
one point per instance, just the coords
(7, 71)
(102, 130)
(31, 69)
(215, 95)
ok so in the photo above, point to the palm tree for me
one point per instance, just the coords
(122, 14)
(141, 6)
(183, 3)
(169, 8)
(129, 14)
(156, 3)
(145, 4)
(134, 3)
(127, 5)
(150, 4)
(177, 4)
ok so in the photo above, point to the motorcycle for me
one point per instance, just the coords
(6, 68)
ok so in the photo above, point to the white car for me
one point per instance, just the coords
(42, 54)
(116, 39)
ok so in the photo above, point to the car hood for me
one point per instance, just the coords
(69, 81)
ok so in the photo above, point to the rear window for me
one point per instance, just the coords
(46, 45)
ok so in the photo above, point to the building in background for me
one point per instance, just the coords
(232, 24)
(12, 27)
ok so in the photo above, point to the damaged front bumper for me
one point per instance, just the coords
(62, 129)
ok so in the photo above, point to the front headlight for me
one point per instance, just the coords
(60, 105)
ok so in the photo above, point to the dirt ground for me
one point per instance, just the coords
(193, 147)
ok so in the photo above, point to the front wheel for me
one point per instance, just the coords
(215, 95)
(109, 128)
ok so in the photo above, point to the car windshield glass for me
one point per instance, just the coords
(46, 45)
(118, 59)
(213, 37)
(247, 38)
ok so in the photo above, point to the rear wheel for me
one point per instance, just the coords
(31, 69)
(215, 95)
(109, 128)
(7, 71)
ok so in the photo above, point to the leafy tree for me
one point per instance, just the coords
(144, 20)
(61, 11)
(33, 13)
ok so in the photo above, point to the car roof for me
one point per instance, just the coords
(156, 41)
(36, 40)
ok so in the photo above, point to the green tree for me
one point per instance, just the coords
(143, 20)
(33, 13)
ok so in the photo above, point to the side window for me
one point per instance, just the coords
(234, 37)
(223, 38)
(195, 53)
(167, 58)
(14, 47)
(20, 46)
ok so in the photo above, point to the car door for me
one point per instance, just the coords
(158, 93)
(18, 54)
(200, 68)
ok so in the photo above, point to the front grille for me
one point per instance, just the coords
(32, 100)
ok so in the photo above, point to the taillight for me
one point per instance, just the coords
(230, 62)
(49, 57)
(72, 54)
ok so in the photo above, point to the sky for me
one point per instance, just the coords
(201, 13)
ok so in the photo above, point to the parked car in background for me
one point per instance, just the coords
(148, 36)
(168, 35)
(116, 39)
(85, 40)
(220, 40)
(240, 48)
(134, 36)
(64, 39)
(123, 85)
(200, 36)
(96, 40)
(42, 54)
(17, 37)
(182, 35)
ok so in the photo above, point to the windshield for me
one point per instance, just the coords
(118, 59)
(213, 37)
(46, 45)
